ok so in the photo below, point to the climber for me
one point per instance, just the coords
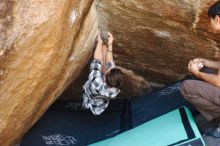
(105, 80)
(204, 93)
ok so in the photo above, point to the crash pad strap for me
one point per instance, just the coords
(187, 127)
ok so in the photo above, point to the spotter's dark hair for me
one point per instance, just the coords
(214, 10)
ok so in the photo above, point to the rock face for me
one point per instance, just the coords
(156, 39)
(44, 45)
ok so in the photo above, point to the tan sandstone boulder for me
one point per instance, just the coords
(157, 38)
(44, 45)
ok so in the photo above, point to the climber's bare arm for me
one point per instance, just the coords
(109, 55)
(98, 50)
(104, 53)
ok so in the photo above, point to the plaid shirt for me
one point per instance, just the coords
(96, 92)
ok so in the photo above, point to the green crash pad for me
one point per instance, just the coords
(176, 128)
